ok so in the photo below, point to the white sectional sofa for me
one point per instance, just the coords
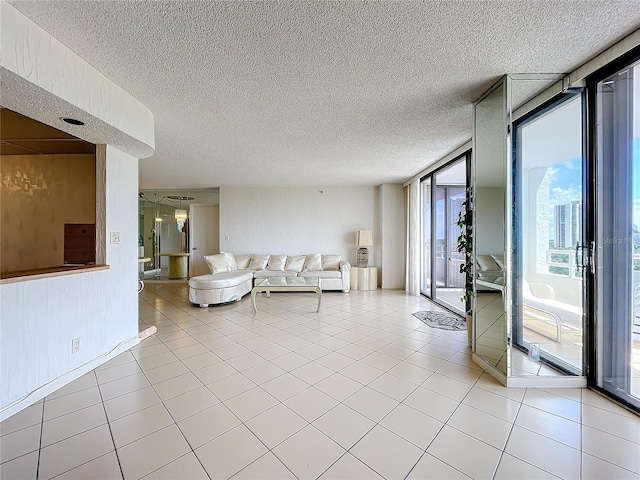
(233, 276)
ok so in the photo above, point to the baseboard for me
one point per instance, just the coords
(63, 380)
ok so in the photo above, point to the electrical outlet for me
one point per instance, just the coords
(534, 352)
(115, 237)
(226, 237)
(75, 345)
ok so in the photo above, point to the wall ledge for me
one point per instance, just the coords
(51, 272)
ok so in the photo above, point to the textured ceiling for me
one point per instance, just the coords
(309, 93)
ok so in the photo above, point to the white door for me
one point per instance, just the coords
(205, 240)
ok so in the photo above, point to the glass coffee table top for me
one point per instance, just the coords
(287, 284)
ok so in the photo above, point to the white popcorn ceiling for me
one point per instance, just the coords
(319, 93)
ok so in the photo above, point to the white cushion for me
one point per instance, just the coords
(218, 263)
(330, 262)
(242, 261)
(258, 262)
(232, 261)
(295, 263)
(321, 274)
(271, 273)
(499, 259)
(220, 280)
(313, 262)
(486, 262)
(277, 262)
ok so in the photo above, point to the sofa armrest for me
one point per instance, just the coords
(345, 270)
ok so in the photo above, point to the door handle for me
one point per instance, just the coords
(194, 248)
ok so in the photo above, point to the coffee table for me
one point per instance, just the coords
(287, 284)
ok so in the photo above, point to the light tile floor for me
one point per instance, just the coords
(360, 390)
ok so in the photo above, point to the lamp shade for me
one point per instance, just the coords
(364, 238)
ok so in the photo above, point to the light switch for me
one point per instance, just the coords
(115, 237)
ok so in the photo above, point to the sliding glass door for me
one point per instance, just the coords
(616, 152)
(443, 193)
(549, 223)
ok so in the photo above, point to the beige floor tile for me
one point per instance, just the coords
(544, 453)
(245, 361)
(313, 351)
(208, 424)
(552, 403)
(86, 381)
(74, 451)
(349, 467)
(171, 370)
(230, 351)
(185, 467)
(512, 467)
(493, 404)
(490, 384)
(71, 424)
(184, 340)
(344, 425)
(122, 386)
(215, 372)
(481, 425)
(479, 460)
(412, 425)
(613, 423)
(190, 403)
(285, 386)
(550, 425)
(410, 372)
(355, 352)
(263, 372)
(250, 403)
(386, 453)
(200, 361)
(272, 351)
(432, 403)
(438, 351)
(149, 350)
(156, 361)
(448, 386)
(130, 403)
(117, 372)
(229, 453)
(70, 403)
(230, 386)
(267, 467)
(20, 442)
(124, 357)
(275, 425)
(21, 468)
(177, 386)
(593, 468)
(430, 467)
(335, 361)
(380, 361)
(140, 424)
(105, 467)
(25, 418)
(312, 372)
(393, 386)
(611, 449)
(371, 403)
(338, 386)
(361, 372)
(311, 403)
(426, 361)
(308, 453)
(152, 452)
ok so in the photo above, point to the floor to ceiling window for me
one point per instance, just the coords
(548, 209)
(616, 163)
(443, 193)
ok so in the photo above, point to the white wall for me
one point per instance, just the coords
(489, 226)
(40, 317)
(392, 222)
(298, 220)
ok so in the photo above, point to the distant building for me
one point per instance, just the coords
(568, 225)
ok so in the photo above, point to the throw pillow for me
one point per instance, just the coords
(242, 261)
(313, 262)
(218, 263)
(277, 262)
(258, 262)
(485, 262)
(295, 263)
(330, 262)
(233, 266)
